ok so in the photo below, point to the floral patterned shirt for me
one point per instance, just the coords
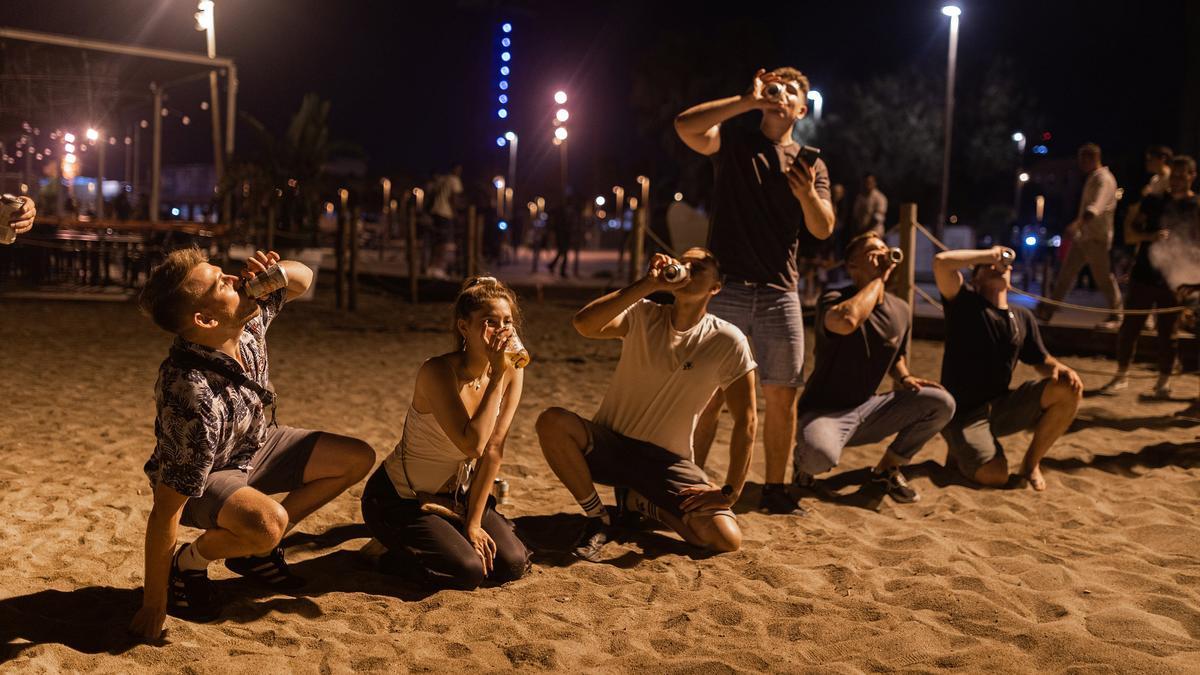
(206, 422)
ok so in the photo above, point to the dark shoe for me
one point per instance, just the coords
(626, 517)
(893, 484)
(190, 594)
(269, 571)
(776, 500)
(591, 540)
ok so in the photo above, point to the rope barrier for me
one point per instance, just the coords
(1059, 303)
(927, 298)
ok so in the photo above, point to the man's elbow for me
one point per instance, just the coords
(580, 324)
(837, 322)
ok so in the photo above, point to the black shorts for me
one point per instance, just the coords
(971, 436)
(277, 467)
(652, 471)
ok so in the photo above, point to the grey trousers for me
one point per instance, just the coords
(914, 416)
(1094, 254)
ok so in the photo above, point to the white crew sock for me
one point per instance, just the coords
(637, 503)
(190, 559)
(593, 507)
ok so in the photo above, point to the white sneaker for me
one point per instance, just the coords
(1118, 383)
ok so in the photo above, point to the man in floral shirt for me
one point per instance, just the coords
(218, 455)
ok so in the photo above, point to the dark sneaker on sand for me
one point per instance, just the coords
(893, 484)
(269, 571)
(190, 594)
(591, 541)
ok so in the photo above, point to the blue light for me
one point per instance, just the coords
(1031, 240)
(175, 212)
(502, 113)
(506, 42)
(507, 28)
(504, 98)
(503, 85)
(1040, 150)
(505, 56)
(503, 225)
(504, 70)
(500, 141)
(1056, 241)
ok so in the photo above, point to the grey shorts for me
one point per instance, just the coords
(278, 466)
(771, 320)
(652, 471)
(972, 436)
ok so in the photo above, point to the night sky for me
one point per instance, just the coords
(414, 84)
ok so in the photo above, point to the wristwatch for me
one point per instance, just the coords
(727, 490)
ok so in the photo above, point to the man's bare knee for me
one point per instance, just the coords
(718, 532)
(556, 427)
(1060, 393)
(994, 473)
(259, 520)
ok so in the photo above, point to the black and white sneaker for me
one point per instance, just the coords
(190, 594)
(591, 541)
(270, 571)
(776, 500)
(893, 484)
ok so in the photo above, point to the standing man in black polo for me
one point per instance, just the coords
(765, 200)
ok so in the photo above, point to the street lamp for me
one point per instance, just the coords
(818, 101)
(560, 138)
(511, 138)
(206, 21)
(952, 11)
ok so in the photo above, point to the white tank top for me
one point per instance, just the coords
(425, 459)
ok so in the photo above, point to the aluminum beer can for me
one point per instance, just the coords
(9, 206)
(675, 272)
(263, 284)
(896, 255)
(500, 490)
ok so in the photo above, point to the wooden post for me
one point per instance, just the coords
(342, 225)
(352, 232)
(413, 257)
(470, 252)
(637, 259)
(907, 273)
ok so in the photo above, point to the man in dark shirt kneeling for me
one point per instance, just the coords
(984, 338)
(862, 335)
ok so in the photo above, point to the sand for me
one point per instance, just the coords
(1100, 574)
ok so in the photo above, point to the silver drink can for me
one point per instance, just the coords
(1007, 258)
(500, 491)
(9, 207)
(675, 272)
(896, 255)
(264, 283)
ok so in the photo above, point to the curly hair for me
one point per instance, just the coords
(791, 74)
(476, 292)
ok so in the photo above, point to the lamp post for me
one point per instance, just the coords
(952, 11)
(640, 223)
(206, 22)
(560, 138)
(818, 102)
(511, 138)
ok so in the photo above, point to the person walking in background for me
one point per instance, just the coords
(443, 193)
(1091, 235)
(767, 196)
(1158, 219)
(870, 208)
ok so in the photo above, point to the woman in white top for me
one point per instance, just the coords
(423, 503)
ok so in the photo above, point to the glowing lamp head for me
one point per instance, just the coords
(600, 201)
(510, 136)
(952, 11)
(560, 134)
(1018, 137)
(92, 134)
(1023, 177)
(560, 97)
(1031, 240)
(562, 115)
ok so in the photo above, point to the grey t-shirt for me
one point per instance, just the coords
(850, 367)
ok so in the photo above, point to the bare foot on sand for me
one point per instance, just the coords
(1034, 476)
